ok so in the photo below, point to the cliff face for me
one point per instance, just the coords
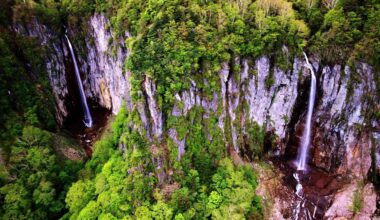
(342, 134)
(104, 79)
(341, 140)
(261, 93)
(54, 60)
(107, 82)
(245, 96)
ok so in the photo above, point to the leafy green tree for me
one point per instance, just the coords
(35, 175)
(79, 194)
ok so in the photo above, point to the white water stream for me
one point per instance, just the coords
(87, 114)
(305, 141)
(300, 212)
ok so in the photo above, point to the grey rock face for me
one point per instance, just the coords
(271, 105)
(155, 112)
(107, 82)
(54, 61)
(180, 143)
(223, 75)
(343, 202)
(339, 143)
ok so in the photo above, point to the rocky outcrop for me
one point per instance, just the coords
(272, 95)
(180, 143)
(224, 76)
(353, 202)
(104, 79)
(187, 100)
(277, 197)
(339, 143)
(107, 81)
(234, 92)
(246, 95)
(342, 143)
(154, 109)
(54, 58)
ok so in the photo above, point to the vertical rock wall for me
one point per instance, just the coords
(343, 131)
(54, 60)
(261, 93)
(108, 83)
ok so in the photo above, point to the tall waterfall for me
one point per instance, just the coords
(87, 114)
(305, 141)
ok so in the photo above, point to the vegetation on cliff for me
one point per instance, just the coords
(34, 177)
(173, 42)
(134, 184)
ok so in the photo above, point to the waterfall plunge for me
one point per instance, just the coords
(305, 142)
(87, 115)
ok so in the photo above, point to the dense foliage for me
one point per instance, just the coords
(140, 182)
(35, 183)
(174, 40)
(24, 88)
(33, 177)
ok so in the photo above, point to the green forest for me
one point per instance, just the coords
(172, 41)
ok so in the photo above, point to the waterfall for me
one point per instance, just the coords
(87, 115)
(300, 197)
(305, 141)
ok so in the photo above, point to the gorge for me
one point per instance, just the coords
(265, 135)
